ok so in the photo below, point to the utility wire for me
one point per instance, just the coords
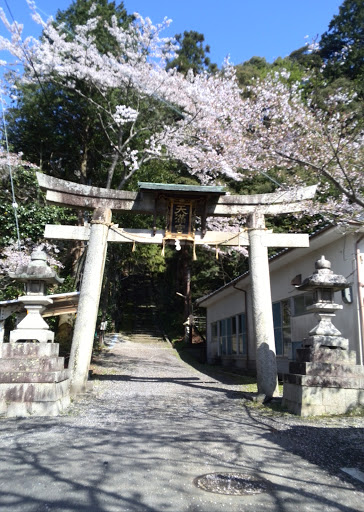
(14, 203)
(26, 54)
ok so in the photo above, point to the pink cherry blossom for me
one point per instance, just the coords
(220, 131)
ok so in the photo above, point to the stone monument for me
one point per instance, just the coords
(33, 380)
(324, 379)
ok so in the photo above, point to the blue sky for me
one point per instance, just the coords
(240, 28)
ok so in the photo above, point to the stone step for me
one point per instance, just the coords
(145, 338)
(324, 355)
(23, 350)
(325, 381)
(32, 364)
(146, 332)
(144, 325)
(38, 392)
(313, 401)
(34, 377)
(326, 369)
(141, 321)
(25, 409)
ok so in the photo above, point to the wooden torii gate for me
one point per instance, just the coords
(154, 199)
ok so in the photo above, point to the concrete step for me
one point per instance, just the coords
(25, 409)
(38, 392)
(145, 338)
(329, 369)
(325, 381)
(32, 364)
(324, 355)
(23, 350)
(34, 377)
(146, 332)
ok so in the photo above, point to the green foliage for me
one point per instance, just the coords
(78, 13)
(33, 212)
(192, 54)
(58, 131)
(9, 289)
(256, 67)
(62, 130)
(342, 46)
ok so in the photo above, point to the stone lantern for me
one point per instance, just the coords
(324, 283)
(324, 378)
(36, 276)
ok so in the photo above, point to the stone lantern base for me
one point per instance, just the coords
(33, 327)
(33, 381)
(323, 381)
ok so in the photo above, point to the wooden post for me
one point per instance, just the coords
(85, 326)
(262, 307)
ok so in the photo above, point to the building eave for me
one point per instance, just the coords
(327, 234)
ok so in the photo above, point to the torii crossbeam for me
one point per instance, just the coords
(152, 199)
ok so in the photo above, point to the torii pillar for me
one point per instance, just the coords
(266, 364)
(84, 330)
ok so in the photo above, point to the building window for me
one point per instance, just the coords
(234, 339)
(228, 336)
(232, 335)
(300, 303)
(282, 326)
(222, 343)
(242, 334)
(214, 333)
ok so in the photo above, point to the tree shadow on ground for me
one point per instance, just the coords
(329, 447)
(126, 456)
(223, 374)
(191, 382)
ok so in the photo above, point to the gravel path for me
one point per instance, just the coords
(151, 425)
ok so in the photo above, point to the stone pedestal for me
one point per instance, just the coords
(323, 381)
(33, 381)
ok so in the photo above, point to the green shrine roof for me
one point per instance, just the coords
(167, 187)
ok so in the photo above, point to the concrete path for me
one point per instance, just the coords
(151, 425)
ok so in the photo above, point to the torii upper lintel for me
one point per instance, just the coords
(218, 203)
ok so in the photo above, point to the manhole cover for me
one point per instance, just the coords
(236, 484)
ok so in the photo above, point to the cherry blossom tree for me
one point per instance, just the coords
(326, 143)
(208, 123)
(13, 259)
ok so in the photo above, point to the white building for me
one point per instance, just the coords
(230, 336)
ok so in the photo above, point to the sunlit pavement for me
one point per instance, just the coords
(151, 425)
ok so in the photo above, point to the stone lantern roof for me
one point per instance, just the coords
(37, 270)
(323, 277)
